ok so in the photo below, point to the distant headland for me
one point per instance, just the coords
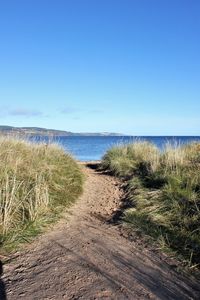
(34, 131)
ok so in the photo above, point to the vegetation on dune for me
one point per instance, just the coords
(36, 182)
(164, 189)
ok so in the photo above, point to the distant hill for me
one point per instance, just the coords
(33, 131)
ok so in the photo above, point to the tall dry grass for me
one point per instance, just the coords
(36, 182)
(164, 188)
(123, 160)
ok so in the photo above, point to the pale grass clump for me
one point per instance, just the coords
(145, 152)
(124, 160)
(164, 190)
(174, 157)
(36, 180)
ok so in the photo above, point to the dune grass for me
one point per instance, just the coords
(37, 181)
(164, 189)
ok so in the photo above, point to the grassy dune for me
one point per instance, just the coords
(37, 181)
(164, 189)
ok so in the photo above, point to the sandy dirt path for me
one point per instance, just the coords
(85, 256)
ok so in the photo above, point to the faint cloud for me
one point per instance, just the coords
(21, 112)
(96, 111)
(70, 110)
(3, 110)
(73, 110)
(25, 112)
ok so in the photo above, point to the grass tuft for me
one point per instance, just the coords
(164, 188)
(36, 182)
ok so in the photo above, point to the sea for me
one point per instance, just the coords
(92, 148)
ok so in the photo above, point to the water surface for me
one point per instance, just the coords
(88, 148)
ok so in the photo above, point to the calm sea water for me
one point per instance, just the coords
(94, 147)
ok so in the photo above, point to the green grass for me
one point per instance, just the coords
(37, 182)
(164, 189)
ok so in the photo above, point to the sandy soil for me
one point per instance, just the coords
(85, 256)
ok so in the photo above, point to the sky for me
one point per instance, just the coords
(127, 66)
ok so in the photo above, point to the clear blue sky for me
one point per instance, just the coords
(130, 66)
